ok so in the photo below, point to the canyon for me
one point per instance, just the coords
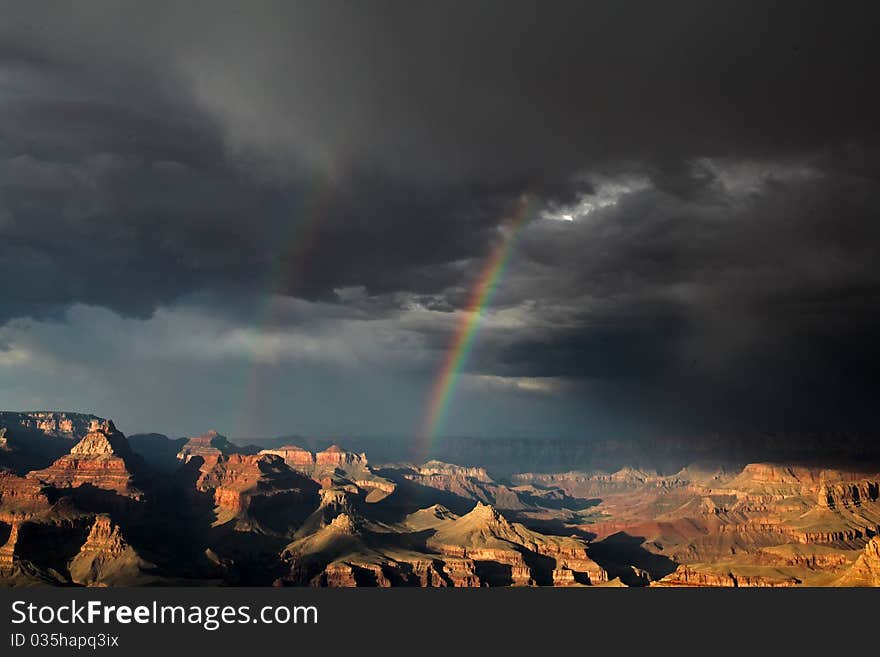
(82, 505)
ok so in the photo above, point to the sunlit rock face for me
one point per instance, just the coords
(296, 457)
(208, 446)
(866, 570)
(106, 558)
(336, 467)
(99, 515)
(72, 426)
(21, 495)
(33, 440)
(102, 459)
(256, 492)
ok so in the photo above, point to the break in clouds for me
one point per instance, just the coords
(269, 221)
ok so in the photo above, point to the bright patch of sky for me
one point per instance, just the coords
(606, 193)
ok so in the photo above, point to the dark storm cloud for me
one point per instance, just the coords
(128, 208)
(757, 293)
(493, 90)
(209, 153)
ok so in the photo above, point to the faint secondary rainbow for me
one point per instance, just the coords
(295, 242)
(456, 356)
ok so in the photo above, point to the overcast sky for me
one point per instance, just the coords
(266, 217)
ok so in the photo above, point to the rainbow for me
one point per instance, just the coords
(456, 355)
(296, 242)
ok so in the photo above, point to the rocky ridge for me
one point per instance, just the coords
(866, 570)
(335, 466)
(257, 492)
(99, 515)
(102, 459)
(106, 559)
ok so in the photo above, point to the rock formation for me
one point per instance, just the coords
(485, 535)
(102, 459)
(448, 469)
(468, 483)
(106, 559)
(204, 510)
(7, 551)
(336, 467)
(866, 570)
(208, 446)
(336, 457)
(296, 457)
(69, 426)
(350, 551)
(20, 495)
(849, 494)
(259, 491)
(33, 440)
(689, 576)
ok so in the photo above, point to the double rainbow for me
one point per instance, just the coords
(456, 355)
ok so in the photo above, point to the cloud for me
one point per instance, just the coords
(314, 188)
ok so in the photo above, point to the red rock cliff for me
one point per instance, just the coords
(102, 459)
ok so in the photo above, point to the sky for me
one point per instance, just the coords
(269, 218)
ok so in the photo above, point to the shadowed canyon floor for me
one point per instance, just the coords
(80, 504)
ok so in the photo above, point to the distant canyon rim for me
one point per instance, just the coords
(81, 504)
